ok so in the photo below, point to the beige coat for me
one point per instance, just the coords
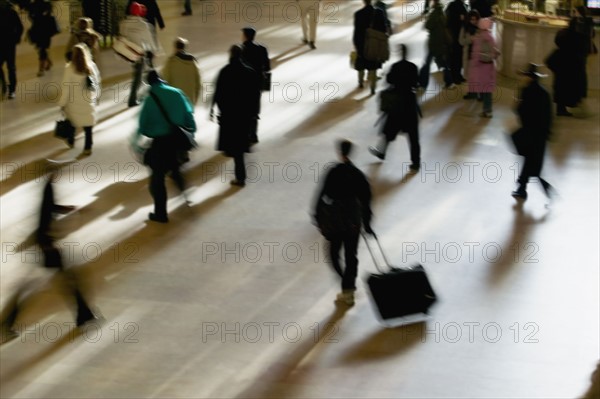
(181, 71)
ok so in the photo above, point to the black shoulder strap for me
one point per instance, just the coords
(162, 110)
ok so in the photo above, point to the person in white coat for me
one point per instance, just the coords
(182, 71)
(309, 17)
(80, 93)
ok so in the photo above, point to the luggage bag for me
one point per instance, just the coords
(400, 292)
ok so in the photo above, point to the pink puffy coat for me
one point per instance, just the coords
(482, 76)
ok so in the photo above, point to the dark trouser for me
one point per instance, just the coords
(415, 147)
(240, 167)
(456, 57)
(532, 167)
(88, 138)
(425, 70)
(8, 56)
(350, 243)
(187, 6)
(253, 135)
(158, 189)
(138, 70)
(43, 53)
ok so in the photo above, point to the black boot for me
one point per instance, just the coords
(520, 193)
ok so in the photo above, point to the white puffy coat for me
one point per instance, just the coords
(79, 101)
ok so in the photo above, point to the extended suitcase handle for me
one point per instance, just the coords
(387, 263)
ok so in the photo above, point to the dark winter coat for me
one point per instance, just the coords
(567, 63)
(456, 12)
(43, 24)
(11, 28)
(238, 97)
(404, 77)
(439, 38)
(363, 19)
(535, 113)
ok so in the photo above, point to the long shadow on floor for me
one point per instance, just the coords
(278, 382)
(515, 249)
(288, 55)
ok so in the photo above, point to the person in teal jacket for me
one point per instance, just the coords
(163, 156)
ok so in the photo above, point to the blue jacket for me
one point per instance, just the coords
(175, 103)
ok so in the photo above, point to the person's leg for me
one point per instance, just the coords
(3, 84)
(361, 78)
(12, 70)
(424, 72)
(373, 80)
(304, 15)
(42, 58)
(87, 147)
(335, 245)
(83, 312)
(187, 7)
(351, 270)
(487, 103)
(159, 194)
(240, 170)
(415, 148)
(314, 20)
(521, 191)
(138, 68)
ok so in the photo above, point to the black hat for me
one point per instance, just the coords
(532, 71)
(249, 31)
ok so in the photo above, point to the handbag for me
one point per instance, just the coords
(377, 47)
(266, 81)
(183, 139)
(127, 49)
(64, 130)
(488, 53)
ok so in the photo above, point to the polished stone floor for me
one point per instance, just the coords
(234, 298)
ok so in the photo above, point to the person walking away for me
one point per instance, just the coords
(237, 96)
(365, 18)
(181, 71)
(456, 13)
(162, 157)
(256, 56)
(482, 68)
(438, 46)
(83, 32)
(347, 190)
(136, 28)
(404, 79)
(535, 113)
(309, 18)
(11, 30)
(43, 27)
(80, 94)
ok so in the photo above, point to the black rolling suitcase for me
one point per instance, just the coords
(401, 295)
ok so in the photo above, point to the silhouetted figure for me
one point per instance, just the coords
(83, 32)
(456, 13)
(380, 4)
(535, 112)
(238, 97)
(52, 259)
(43, 27)
(484, 7)
(11, 30)
(163, 156)
(256, 56)
(347, 190)
(367, 17)
(404, 78)
(438, 46)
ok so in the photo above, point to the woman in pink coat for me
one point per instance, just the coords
(482, 70)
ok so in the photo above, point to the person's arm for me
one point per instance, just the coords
(266, 61)
(365, 202)
(198, 81)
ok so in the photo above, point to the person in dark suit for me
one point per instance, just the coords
(404, 78)
(456, 13)
(11, 30)
(535, 112)
(438, 45)
(256, 56)
(347, 189)
(153, 15)
(363, 19)
(238, 97)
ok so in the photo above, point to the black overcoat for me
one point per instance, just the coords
(238, 97)
(404, 77)
(362, 20)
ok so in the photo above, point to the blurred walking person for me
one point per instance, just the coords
(309, 18)
(182, 71)
(535, 112)
(438, 46)
(482, 67)
(343, 207)
(365, 18)
(404, 115)
(43, 27)
(165, 109)
(11, 30)
(237, 96)
(80, 94)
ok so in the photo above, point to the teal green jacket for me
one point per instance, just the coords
(178, 107)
